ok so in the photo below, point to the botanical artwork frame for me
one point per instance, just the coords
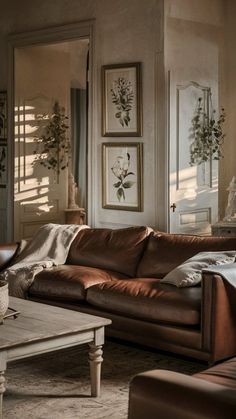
(3, 116)
(122, 100)
(3, 164)
(122, 176)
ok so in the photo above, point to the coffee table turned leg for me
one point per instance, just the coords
(95, 361)
(2, 389)
(3, 366)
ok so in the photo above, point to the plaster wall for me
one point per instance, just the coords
(209, 12)
(125, 32)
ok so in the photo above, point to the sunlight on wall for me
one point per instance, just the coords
(28, 173)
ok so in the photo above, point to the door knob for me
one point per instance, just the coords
(173, 206)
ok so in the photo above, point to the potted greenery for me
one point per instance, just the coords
(53, 149)
(208, 136)
(53, 146)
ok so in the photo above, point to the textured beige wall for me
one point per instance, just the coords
(209, 12)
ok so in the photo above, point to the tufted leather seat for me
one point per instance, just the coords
(149, 300)
(69, 282)
(7, 254)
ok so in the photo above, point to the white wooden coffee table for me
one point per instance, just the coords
(42, 328)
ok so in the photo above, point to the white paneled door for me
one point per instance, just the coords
(40, 195)
(193, 190)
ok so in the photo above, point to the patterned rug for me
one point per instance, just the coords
(56, 385)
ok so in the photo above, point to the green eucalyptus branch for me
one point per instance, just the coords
(53, 146)
(208, 136)
(122, 96)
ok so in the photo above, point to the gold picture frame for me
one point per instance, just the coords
(122, 176)
(3, 164)
(3, 116)
(122, 100)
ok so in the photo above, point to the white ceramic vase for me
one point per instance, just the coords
(4, 299)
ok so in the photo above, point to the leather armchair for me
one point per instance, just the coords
(161, 394)
(7, 253)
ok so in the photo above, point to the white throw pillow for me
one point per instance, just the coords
(189, 273)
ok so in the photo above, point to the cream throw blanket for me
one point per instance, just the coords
(228, 272)
(48, 247)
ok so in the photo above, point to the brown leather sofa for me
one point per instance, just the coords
(116, 274)
(210, 394)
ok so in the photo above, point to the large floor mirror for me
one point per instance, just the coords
(51, 105)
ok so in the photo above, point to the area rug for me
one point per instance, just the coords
(56, 385)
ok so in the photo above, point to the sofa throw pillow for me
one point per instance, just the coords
(189, 273)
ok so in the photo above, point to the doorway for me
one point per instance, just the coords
(47, 71)
(193, 189)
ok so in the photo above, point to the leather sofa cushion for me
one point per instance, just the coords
(224, 374)
(165, 252)
(147, 299)
(116, 250)
(68, 283)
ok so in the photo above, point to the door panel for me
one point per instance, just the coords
(193, 189)
(38, 191)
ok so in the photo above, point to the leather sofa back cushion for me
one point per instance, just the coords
(165, 252)
(115, 250)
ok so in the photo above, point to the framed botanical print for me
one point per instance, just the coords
(3, 164)
(122, 176)
(122, 100)
(3, 116)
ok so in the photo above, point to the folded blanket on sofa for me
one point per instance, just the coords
(228, 272)
(48, 247)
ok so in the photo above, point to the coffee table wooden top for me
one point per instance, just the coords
(42, 328)
(40, 322)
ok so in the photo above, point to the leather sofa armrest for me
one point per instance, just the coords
(166, 394)
(218, 317)
(7, 253)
